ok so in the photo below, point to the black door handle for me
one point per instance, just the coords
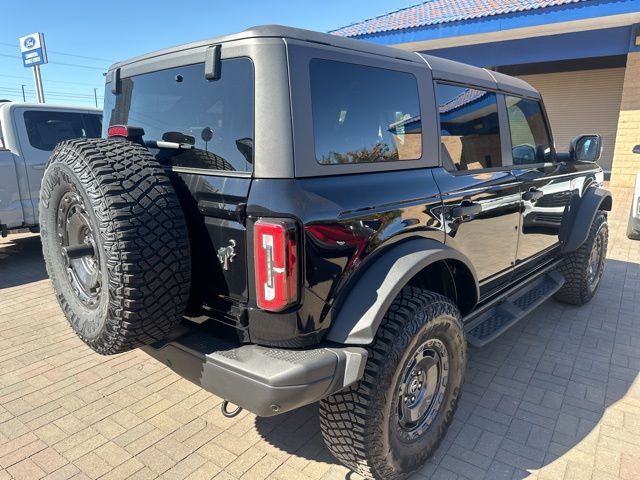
(532, 195)
(466, 209)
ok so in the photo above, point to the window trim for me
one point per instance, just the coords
(528, 166)
(507, 161)
(300, 54)
(365, 66)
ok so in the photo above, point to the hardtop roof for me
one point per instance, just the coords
(441, 68)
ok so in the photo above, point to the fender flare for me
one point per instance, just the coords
(357, 319)
(579, 216)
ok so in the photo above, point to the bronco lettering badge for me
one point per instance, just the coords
(227, 254)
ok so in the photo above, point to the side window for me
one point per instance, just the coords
(469, 128)
(530, 142)
(364, 114)
(2, 147)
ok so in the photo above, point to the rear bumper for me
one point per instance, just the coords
(264, 380)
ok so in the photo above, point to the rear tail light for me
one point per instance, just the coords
(117, 131)
(126, 131)
(276, 263)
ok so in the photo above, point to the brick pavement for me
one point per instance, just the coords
(557, 397)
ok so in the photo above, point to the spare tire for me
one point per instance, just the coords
(115, 243)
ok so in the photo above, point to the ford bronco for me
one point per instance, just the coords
(286, 217)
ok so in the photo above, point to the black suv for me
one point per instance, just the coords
(285, 217)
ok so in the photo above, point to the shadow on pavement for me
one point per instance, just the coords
(533, 395)
(21, 260)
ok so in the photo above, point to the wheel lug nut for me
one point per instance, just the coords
(413, 399)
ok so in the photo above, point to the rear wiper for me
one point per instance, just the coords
(167, 145)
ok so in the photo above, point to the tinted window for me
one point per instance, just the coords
(364, 114)
(469, 128)
(530, 141)
(46, 129)
(179, 105)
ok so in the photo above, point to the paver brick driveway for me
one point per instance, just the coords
(557, 397)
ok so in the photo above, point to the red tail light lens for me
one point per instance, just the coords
(127, 131)
(117, 131)
(276, 264)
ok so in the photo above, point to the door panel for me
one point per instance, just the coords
(546, 185)
(481, 198)
(489, 238)
(12, 209)
(542, 217)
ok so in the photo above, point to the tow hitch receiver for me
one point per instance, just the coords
(229, 413)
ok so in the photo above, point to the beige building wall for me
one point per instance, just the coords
(625, 163)
(579, 102)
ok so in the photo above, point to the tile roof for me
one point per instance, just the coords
(435, 12)
(468, 96)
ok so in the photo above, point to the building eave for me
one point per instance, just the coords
(573, 26)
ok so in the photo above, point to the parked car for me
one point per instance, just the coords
(633, 227)
(28, 134)
(285, 217)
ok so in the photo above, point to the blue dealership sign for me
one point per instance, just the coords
(33, 50)
(34, 57)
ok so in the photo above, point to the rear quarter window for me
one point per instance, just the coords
(364, 114)
(179, 104)
(45, 129)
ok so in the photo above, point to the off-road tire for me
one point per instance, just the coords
(140, 235)
(359, 424)
(577, 290)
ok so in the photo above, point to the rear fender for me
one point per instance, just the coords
(579, 216)
(359, 315)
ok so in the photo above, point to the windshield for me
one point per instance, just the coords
(179, 105)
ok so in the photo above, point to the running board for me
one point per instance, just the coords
(513, 307)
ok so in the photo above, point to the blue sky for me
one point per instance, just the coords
(85, 37)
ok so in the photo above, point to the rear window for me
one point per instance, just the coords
(46, 129)
(364, 114)
(179, 105)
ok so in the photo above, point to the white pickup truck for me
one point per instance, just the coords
(28, 134)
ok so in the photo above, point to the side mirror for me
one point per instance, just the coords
(585, 148)
(636, 149)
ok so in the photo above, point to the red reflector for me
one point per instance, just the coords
(118, 131)
(276, 265)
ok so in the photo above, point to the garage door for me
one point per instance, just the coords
(585, 101)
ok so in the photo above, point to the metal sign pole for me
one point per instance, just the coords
(37, 78)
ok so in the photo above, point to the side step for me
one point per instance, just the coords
(493, 321)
